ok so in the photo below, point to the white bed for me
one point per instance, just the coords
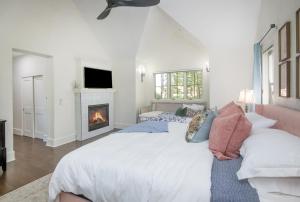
(149, 166)
(125, 167)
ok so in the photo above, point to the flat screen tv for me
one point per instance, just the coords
(97, 78)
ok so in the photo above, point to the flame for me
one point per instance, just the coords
(98, 116)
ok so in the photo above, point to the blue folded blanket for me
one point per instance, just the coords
(147, 127)
(225, 186)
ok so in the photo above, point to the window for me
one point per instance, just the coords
(161, 82)
(178, 85)
(271, 72)
(268, 77)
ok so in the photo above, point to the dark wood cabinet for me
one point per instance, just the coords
(2, 145)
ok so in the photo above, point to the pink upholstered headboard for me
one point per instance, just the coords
(288, 119)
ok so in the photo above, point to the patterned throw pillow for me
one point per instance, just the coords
(197, 121)
(191, 113)
(204, 129)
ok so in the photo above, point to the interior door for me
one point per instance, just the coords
(40, 103)
(28, 106)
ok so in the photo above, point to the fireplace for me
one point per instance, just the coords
(98, 116)
(94, 112)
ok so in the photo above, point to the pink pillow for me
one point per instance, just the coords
(227, 135)
(230, 109)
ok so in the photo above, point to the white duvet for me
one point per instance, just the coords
(137, 167)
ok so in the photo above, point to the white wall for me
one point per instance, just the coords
(124, 82)
(228, 30)
(54, 28)
(25, 66)
(120, 35)
(166, 46)
(279, 12)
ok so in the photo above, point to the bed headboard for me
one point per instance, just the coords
(172, 105)
(288, 119)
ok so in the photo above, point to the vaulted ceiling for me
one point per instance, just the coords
(216, 22)
(120, 32)
(213, 22)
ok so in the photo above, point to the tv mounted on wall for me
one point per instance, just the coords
(97, 78)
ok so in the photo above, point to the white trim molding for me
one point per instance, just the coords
(55, 142)
(18, 131)
(10, 156)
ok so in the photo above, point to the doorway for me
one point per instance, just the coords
(31, 76)
(268, 76)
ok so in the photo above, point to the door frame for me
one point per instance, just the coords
(37, 133)
(49, 90)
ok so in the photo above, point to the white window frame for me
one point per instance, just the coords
(201, 85)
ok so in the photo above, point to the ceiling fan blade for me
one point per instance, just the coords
(104, 14)
(136, 3)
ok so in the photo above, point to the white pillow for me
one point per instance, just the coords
(259, 121)
(272, 153)
(151, 114)
(194, 107)
(286, 185)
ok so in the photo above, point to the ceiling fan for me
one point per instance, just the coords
(133, 3)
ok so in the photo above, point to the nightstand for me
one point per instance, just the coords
(2, 145)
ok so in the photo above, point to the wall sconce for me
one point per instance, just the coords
(142, 71)
(207, 67)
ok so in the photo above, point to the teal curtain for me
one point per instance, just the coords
(257, 73)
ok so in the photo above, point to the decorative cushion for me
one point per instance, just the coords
(230, 109)
(227, 135)
(181, 111)
(259, 121)
(197, 120)
(204, 129)
(194, 107)
(191, 113)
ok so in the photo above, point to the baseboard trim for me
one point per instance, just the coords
(39, 135)
(122, 125)
(18, 131)
(10, 156)
(60, 141)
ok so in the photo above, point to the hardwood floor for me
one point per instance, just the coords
(34, 160)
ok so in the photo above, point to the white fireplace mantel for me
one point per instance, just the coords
(94, 90)
(83, 99)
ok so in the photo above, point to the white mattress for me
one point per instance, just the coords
(137, 167)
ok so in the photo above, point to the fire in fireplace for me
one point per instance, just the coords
(98, 116)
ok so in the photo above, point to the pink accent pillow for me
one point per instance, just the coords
(230, 109)
(227, 135)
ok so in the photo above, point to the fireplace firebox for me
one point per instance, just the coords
(98, 116)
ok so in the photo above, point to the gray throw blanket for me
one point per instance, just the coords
(225, 185)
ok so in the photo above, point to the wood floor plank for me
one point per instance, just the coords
(35, 160)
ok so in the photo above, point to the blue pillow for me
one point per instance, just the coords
(204, 130)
